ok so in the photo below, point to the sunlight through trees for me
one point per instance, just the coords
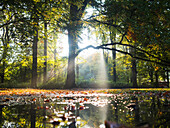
(134, 37)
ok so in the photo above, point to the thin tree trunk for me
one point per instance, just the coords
(45, 53)
(167, 77)
(34, 47)
(134, 73)
(39, 77)
(5, 44)
(156, 79)
(127, 69)
(77, 70)
(55, 55)
(3, 72)
(21, 75)
(112, 39)
(34, 65)
(25, 74)
(106, 56)
(134, 70)
(114, 64)
(151, 75)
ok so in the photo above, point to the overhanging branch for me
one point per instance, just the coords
(166, 63)
(118, 43)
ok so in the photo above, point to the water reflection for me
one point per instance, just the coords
(142, 109)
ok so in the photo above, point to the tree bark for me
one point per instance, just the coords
(114, 65)
(55, 55)
(5, 42)
(134, 73)
(113, 39)
(151, 76)
(77, 70)
(25, 74)
(45, 53)
(70, 82)
(73, 30)
(133, 68)
(127, 68)
(3, 72)
(167, 77)
(34, 65)
(156, 79)
(151, 73)
(34, 47)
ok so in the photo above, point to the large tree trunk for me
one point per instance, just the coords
(45, 53)
(34, 47)
(73, 30)
(70, 82)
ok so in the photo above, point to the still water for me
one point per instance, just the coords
(141, 109)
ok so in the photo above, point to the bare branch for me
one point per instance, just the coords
(118, 43)
(123, 37)
(126, 53)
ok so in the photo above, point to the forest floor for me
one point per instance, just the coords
(24, 92)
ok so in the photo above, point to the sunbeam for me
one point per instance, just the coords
(102, 77)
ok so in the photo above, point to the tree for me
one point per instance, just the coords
(75, 14)
(14, 27)
(34, 48)
(131, 22)
(113, 39)
(45, 52)
(5, 42)
(24, 22)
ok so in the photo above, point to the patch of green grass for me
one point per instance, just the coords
(15, 85)
(51, 85)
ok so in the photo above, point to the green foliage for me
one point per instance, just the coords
(14, 84)
(145, 23)
(53, 84)
(141, 24)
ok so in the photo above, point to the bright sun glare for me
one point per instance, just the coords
(84, 42)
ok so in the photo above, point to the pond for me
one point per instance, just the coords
(85, 109)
